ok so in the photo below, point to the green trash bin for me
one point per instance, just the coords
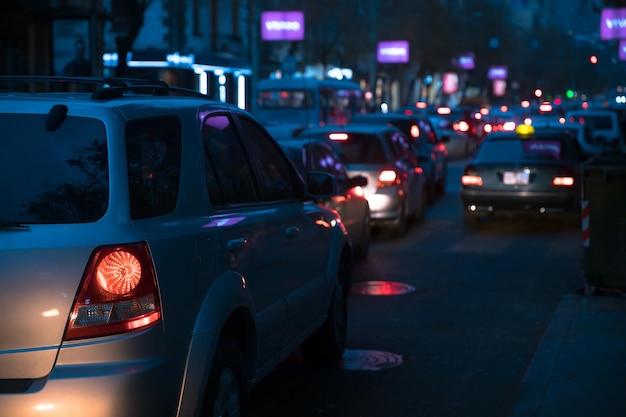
(603, 217)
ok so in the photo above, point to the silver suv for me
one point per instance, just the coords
(158, 253)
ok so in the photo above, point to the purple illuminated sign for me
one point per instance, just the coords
(393, 52)
(497, 73)
(282, 26)
(613, 23)
(622, 50)
(466, 61)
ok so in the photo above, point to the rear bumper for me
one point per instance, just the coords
(81, 384)
(489, 202)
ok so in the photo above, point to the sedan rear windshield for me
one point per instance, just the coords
(52, 176)
(537, 149)
(360, 148)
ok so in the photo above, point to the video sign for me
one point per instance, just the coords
(497, 73)
(282, 26)
(613, 23)
(393, 52)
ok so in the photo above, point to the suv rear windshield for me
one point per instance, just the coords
(58, 176)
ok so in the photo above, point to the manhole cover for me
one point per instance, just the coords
(369, 360)
(381, 288)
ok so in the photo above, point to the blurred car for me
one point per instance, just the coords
(466, 119)
(429, 145)
(159, 252)
(530, 171)
(458, 144)
(502, 118)
(605, 128)
(395, 184)
(349, 200)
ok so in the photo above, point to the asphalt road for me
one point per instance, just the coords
(469, 309)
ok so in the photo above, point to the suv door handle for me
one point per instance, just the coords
(237, 245)
(292, 231)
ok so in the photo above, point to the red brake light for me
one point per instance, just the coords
(471, 177)
(118, 293)
(387, 178)
(563, 181)
(338, 136)
(463, 126)
(358, 191)
(415, 131)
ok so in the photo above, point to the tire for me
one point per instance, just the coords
(326, 346)
(227, 392)
(399, 229)
(440, 188)
(420, 213)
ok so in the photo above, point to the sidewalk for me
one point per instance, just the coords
(579, 368)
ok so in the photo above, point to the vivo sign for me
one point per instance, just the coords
(393, 52)
(282, 26)
(622, 50)
(613, 24)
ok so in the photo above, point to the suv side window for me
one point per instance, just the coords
(229, 175)
(278, 179)
(153, 149)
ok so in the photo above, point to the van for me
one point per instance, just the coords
(606, 132)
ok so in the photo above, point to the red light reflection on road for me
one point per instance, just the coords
(381, 288)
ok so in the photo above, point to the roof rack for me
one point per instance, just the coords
(108, 87)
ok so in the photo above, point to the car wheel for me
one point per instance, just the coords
(226, 389)
(440, 188)
(420, 214)
(470, 220)
(362, 251)
(327, 345)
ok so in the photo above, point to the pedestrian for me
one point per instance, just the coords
(79, 66)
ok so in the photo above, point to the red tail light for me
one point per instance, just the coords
(471, 178)
(415, 131)
(387, 178)
(563, 181)
(118, 293)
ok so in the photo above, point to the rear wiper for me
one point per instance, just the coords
(13, 225)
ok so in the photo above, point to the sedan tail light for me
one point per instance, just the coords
(471, 178)
(565, 181)
(118, 293)
(387, 178)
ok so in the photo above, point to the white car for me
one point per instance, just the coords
(159, 252)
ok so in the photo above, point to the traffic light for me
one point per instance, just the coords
(569, 94)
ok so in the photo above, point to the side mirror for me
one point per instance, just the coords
(320, 184)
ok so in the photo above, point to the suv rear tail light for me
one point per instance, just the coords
(118, 293)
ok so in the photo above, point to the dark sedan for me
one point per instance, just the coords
(530, 170)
